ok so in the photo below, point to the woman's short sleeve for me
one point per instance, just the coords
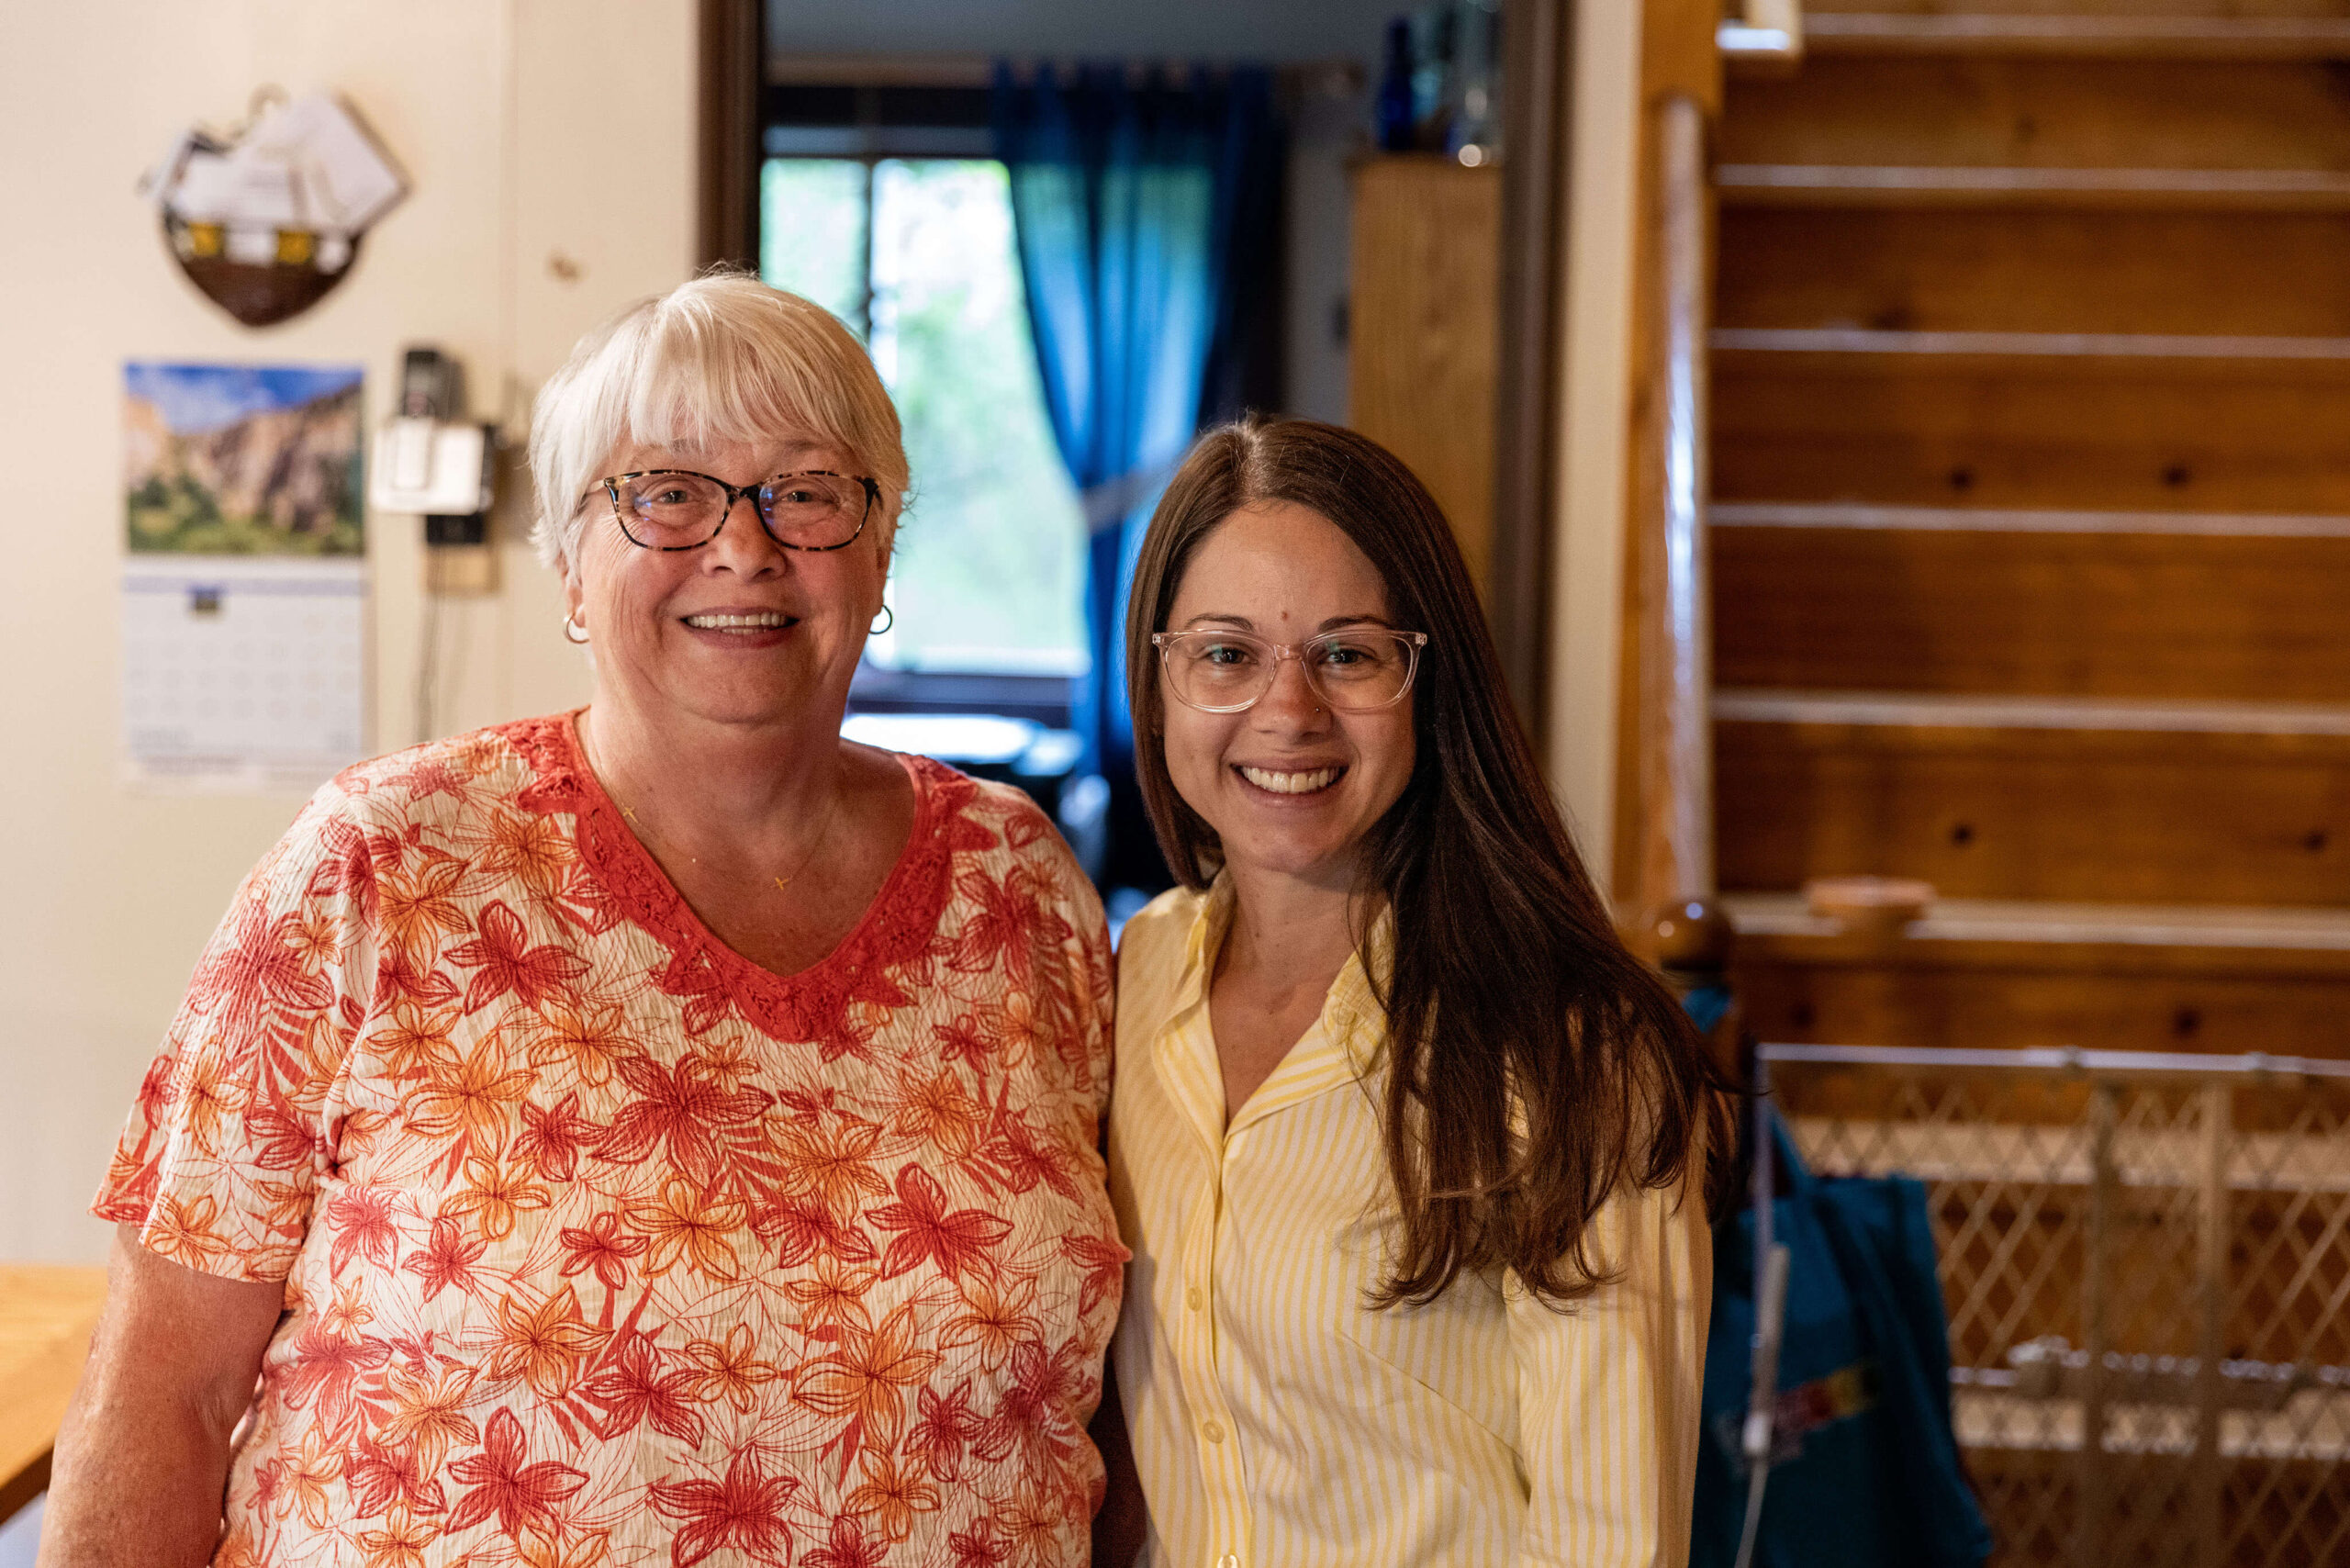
(236, 1119)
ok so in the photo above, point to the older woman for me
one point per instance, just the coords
(659, 1133)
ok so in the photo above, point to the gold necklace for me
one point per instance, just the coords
(815, 844)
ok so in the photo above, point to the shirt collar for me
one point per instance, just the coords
(1343, 1046)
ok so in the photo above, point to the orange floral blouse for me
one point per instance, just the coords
(602, 1245)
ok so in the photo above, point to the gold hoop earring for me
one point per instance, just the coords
(573, 633)
(889, 619)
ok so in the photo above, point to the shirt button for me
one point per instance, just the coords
(1210, 1431)
(1194, 1299)
(1229, 1560)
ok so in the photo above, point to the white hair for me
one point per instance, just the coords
(723, 358)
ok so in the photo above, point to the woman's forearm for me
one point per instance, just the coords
(137, 1480)
(143, 1457)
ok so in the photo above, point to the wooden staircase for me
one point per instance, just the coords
(2030, 453)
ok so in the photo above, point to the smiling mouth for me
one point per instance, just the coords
(765, 620)
(1278, 783)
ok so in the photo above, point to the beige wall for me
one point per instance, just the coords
(523, 125)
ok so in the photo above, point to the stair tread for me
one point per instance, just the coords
(2231, 37)
(1943, 710)
(2267, 927)
(2324, 189)
(2067, 345)
(1991, 519)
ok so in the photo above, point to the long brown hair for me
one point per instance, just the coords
(1515, 1108)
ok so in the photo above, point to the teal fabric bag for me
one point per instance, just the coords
(1865, 1469)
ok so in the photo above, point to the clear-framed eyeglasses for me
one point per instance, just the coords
(1358, 670)
(673, 509)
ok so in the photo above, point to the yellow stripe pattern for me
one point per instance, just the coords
(1278, 1421)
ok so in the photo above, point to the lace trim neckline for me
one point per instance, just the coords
(714, 980)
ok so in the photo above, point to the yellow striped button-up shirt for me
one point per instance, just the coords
(1276, 1420)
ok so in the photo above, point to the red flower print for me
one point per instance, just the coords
(686, 1108)
(961, 1041)
(552, 1140)
(601, 1246)
(691, 978)
(1038, 1412)
(279, 1142)
(798, 1228)
(381, 1478)
(397, 980)
(744, 1511)
(976, 1547)
(426, 779)
(1018, 1158)
(545, 1346)
(867, 1378)
(530, 850)
(635, 1391)
(420, 907)
(945, 1429)
(686, 1226)
(348, 866)
(257, 971)
(448, 1259)
(360, 1218)
(1009, 920)
(732, 1370)
(401, 1546)
(846, 1547)
(1103, 1258)
(522, 1495)
(428, 1415)
(837, 1165)
(506, 961)
(185, 1232)
(952, 1241)
(471, 1095)
(327, 1366)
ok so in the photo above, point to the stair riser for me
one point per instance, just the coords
(2127, 615)
(2041, 113)
(1893, 1004)
(2090, 816)
(2030, 436)
(2036, 272)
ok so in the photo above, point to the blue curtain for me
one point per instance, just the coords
(1147, 217)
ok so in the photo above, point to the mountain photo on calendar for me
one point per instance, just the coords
(242, 459)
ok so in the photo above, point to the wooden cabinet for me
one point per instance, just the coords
(1426, 330)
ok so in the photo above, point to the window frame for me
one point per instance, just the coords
(869, 122)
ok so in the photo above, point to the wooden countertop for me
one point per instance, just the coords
(46, 1319)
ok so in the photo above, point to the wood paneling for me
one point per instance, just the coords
(1426, 325)
(2041, 113)
(2119, 615)
(2036, 272)
(2024, 440)
(2010, 813)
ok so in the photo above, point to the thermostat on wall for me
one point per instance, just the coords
(426, 465)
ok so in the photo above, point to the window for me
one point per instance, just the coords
(917, 255)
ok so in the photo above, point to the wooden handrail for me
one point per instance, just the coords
(1767, 31)
(1675, 640)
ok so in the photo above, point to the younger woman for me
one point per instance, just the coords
(1409, 1150)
